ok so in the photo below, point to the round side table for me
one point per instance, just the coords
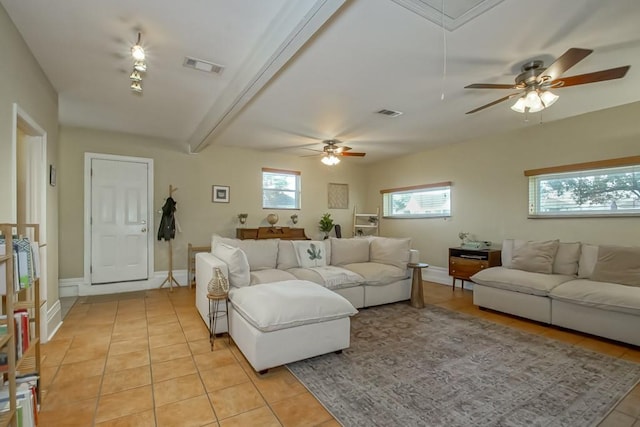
(215, 312)
(417, 294)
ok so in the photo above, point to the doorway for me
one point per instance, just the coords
(30, 204)
(118, 221)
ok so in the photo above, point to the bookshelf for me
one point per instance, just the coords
(21, 343)
(365, 224)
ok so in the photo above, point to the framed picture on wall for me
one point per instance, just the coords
(220, 194)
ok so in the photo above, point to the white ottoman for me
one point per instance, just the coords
(282, 322)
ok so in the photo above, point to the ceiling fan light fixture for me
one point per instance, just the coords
(548, 98)
(519, 106)
(330, 159)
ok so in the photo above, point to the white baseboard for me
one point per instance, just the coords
(77, 287)
(54, 321)
(441, 275)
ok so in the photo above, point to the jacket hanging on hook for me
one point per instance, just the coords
(167, 230)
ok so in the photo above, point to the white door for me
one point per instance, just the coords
(119, 221)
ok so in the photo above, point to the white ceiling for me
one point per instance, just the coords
(299, 71)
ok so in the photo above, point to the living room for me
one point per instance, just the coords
(489, 189)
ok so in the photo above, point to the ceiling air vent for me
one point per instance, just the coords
(200, 65)
(390, 113)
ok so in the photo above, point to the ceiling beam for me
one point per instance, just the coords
(288, 34)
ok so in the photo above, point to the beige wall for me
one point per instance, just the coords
(23, 82)
(489, 192)
(194, 174)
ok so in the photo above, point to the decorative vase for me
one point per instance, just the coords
(218, 285)
(272, 219)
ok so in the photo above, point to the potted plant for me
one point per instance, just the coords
(326, 224)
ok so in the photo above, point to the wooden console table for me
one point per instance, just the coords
(284, 233)
(464, 263)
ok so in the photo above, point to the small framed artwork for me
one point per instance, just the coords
(220, 194)
(52, 176)
(338, 196)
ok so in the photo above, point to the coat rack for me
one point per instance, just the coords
(170, 279)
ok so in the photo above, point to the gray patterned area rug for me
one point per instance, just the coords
(435, 367)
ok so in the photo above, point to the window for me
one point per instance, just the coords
(419, 201)
(280, 189)
(606, 188)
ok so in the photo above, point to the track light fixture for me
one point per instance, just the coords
(139, 66)
(136, 86)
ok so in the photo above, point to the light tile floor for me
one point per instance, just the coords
(144, 359)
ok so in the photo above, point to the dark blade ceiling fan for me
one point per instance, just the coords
(331, 151)
(535, 81)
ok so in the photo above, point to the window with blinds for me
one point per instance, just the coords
(280, 189)
(420, 201)
(599, 191)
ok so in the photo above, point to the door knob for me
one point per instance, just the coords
(144, 230)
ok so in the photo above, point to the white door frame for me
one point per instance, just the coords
(21, 119)
(87, 289)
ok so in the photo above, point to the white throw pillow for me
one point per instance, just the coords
(215, 239)
(280, 305)
(310, 253)
(348, 251)
(261, 254)
(507, 252)
(566, 260)
(391, 251)
(286, 255)
(236, 261)
(588, 259)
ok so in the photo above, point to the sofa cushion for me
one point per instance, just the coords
(566, 260)
(347, 251)
(270, 275)
(386, 250)
(236, 262)
(520, 281)
(588, 259)
(280, 305)
(378, 274)
(602, 295)
(331, 277)
(310, 253)
(534, 256)
(286, 255)
(261, 254)
(618, 264)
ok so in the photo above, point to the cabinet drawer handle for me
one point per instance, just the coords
(453, 263)
(453, 271)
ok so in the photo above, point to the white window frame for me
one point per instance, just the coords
(587, 171)
(387, 197)
(297, 190)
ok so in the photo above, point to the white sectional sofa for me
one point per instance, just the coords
(291, 300)
(588, 288)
